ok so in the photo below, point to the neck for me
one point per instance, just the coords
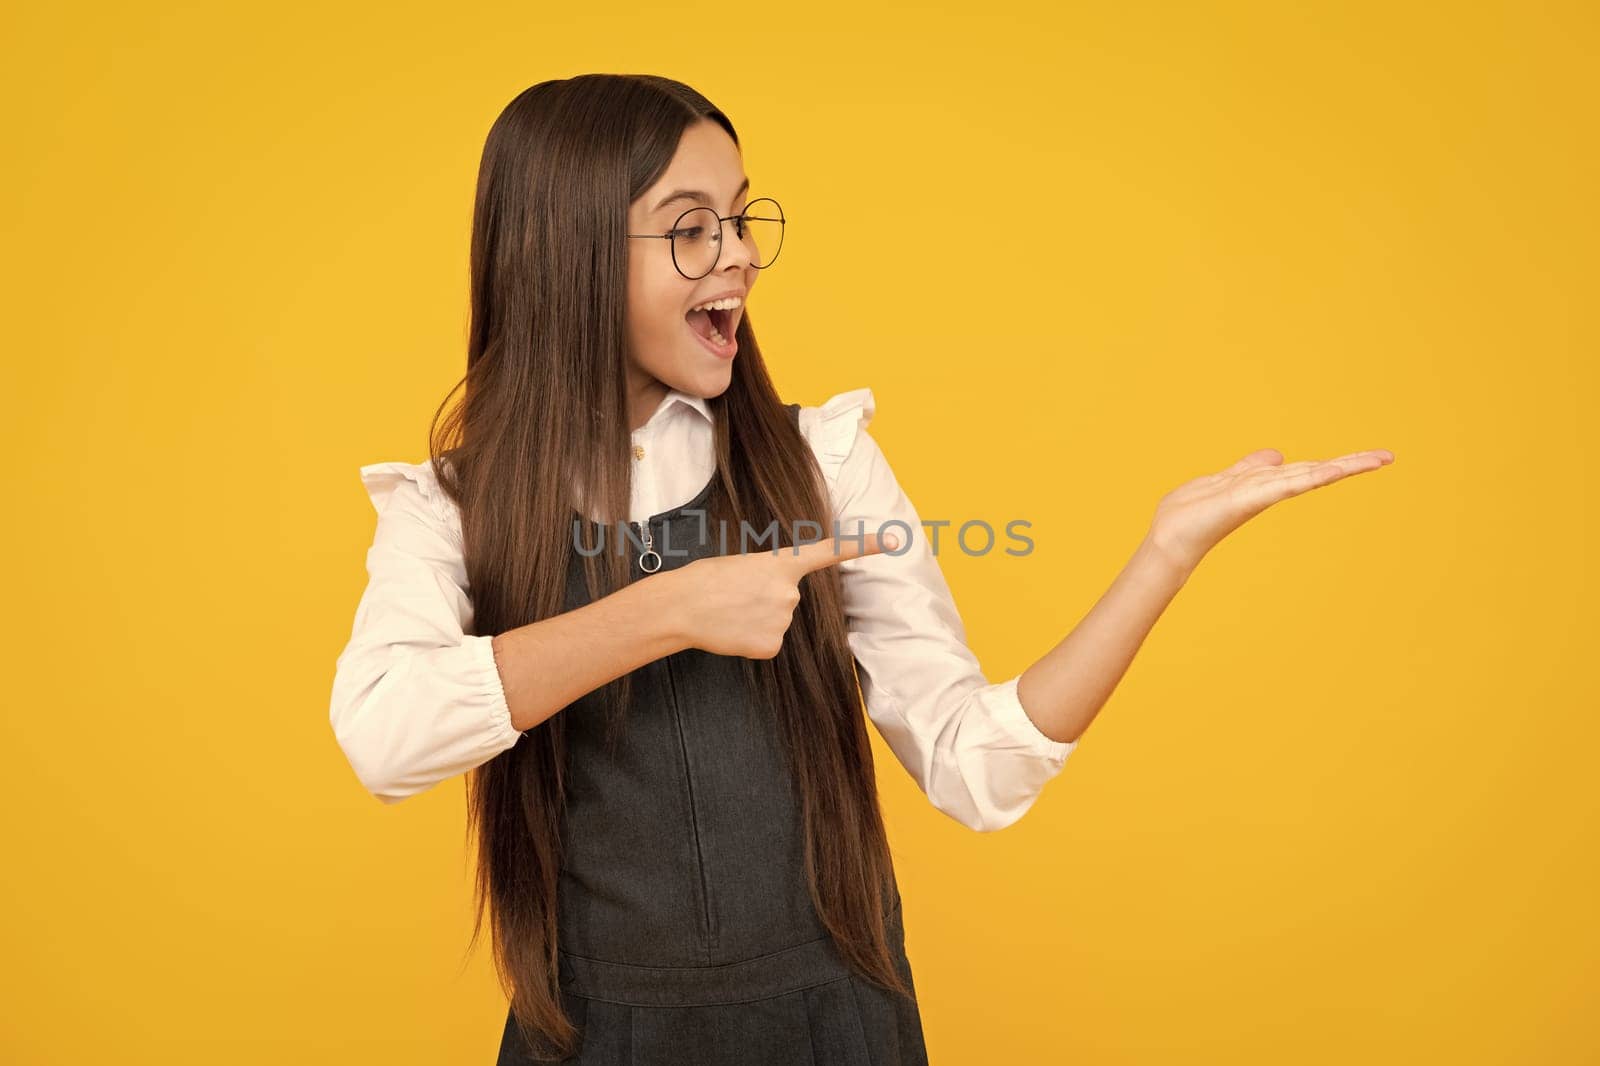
(645, 394)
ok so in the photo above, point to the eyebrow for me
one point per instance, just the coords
(697, 196)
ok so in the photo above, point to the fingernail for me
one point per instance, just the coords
(891, 541)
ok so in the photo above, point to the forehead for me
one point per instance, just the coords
(706, 161)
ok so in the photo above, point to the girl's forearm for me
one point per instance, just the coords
(545, 665)
(1065, 689)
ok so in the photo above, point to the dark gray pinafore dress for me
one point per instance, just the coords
(686, 932)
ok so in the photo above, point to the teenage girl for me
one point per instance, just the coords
(633, 600)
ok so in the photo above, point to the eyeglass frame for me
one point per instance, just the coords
(783, 222)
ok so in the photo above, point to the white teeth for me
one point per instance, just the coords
(721, 305)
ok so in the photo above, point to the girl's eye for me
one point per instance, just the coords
(688, 233)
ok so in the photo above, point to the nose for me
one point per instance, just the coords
(735, 254)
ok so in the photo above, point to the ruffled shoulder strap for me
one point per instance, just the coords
(831, 427)
(382, 479)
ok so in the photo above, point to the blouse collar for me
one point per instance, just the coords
(673, 397)
(696, 402)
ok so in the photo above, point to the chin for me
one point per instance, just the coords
(709, 384)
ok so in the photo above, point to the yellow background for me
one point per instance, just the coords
(1341, 809)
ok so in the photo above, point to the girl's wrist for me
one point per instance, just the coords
(1154, 555)
(661, 611)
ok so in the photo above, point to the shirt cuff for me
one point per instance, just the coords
(1008, 714)
(503, 734)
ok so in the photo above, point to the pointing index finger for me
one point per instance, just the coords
(830, 550)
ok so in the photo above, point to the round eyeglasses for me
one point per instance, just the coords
(697, 236)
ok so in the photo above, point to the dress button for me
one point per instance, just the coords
(638, 451)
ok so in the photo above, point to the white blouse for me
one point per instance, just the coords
(417, 697)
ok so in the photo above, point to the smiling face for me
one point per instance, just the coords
(667, 347)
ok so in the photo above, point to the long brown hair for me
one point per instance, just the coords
(544, 409)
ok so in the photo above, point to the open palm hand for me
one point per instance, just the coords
(1192, 518)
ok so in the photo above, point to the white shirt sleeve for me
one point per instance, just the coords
(416, 697)
(969, 744)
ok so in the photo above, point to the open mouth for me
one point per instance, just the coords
(715, 325)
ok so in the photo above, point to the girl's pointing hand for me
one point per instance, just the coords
(1192, 518)
(742, 604)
